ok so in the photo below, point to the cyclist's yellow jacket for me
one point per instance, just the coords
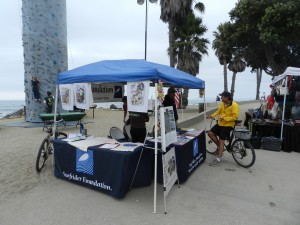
(229, 113)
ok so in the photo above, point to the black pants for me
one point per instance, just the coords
(36, 93)
(138, 134)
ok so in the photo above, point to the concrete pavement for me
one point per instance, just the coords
(267, 193)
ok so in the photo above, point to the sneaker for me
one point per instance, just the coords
(216, 153)
(215, 162)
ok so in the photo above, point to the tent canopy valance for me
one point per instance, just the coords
(129, 70)
(292, 71)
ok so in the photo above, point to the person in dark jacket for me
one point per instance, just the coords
(35, 88)
(169, 101)
(138, 129)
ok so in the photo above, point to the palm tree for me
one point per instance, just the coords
(236, 65)
(172, 12)
(189, 47)
(222, 47)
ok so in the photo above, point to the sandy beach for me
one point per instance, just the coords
(267, 193)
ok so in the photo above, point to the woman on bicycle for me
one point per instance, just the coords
(226, 115)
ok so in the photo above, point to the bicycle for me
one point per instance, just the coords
(241, 149)
(46, 147)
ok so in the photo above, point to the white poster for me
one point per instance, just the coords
(168, 127)
(83, 95)
(169, 170)
(66, 95)
(107, 92)
(137, 96)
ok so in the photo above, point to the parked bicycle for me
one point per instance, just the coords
(46, 147)
(238, 145)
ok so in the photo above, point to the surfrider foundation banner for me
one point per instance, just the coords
(107, 92)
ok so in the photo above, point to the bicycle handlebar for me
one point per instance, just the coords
(236, 121)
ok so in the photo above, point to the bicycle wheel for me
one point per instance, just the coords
(243, 153)
(211, 147)
(43, 154)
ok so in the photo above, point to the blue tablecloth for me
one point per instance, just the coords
(188, 157)
(105, 170)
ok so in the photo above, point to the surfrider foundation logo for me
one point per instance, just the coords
(195, 147)
(84, 161)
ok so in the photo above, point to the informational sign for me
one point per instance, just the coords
(168, 127)
(107, 92)
(169, 170)
(137, 96)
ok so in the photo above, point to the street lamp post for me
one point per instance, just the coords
(141, 2)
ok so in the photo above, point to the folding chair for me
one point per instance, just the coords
(117, 134)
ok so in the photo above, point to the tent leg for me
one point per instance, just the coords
(155, 151)
(283, 111)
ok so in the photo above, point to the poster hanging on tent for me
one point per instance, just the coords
(137, 98)
(168, 127)
(83, 95)
(66, 95)
(107, 92)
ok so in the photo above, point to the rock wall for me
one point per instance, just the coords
(45, 50)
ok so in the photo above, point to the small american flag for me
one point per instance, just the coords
(177, 97)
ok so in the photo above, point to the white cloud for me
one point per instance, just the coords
(100, 30)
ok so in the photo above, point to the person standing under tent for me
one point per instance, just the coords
(169, 101)
(138, 129)
(124, 100)
(227, 114)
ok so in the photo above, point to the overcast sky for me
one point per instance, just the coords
(102, 30)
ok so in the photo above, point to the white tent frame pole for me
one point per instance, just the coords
(204, 119)
(181, 91)
(283, 107)
(55, 112)
(155, 151)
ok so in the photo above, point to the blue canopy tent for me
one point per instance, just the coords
(129, 70)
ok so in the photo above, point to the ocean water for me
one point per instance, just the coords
(10, 106)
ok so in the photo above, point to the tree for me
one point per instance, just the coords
(223, 47)
(189, 47)
(236, 65)
(274, 25)
(172, 12)
(177, 13)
